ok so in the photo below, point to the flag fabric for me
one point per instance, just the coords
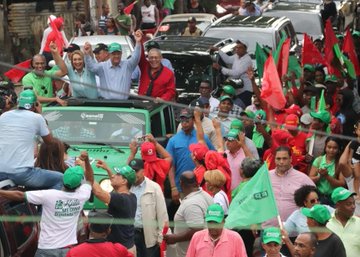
(349, 50)
(271, 90)
(255, 203)
(14, 74)
(283, 59)
(321, 103)
(277, 51)
(163, 243)
(294, 66)
(310, 54)
(129, 8)
(332, 51)
(260, 57)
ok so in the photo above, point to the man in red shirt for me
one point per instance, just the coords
(156, 80)
(97, 245)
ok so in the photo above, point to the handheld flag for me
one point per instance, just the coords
(14, 74)
(260, 57)
(283, 61)
(349, 49)
(332, 51)
(310, 54)
(129, 8)
(322, 103)
(254, 204)
(271, 90)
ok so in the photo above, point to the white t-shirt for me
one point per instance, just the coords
(60, 215)
(18, 129)
(148, 14)
(221, 199)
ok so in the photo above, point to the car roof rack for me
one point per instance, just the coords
(132, 103)
(248, 21)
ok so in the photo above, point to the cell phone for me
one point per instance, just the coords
(140, 139)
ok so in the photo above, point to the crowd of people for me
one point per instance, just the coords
(311, 148)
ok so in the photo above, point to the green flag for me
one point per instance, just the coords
(278, 48)
(294, 66)
(322, 103)
(313, 103)
(260, 57)
(349, 67)
(254, 204)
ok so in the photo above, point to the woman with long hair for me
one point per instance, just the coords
(51, 156)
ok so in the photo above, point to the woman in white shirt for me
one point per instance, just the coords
(214, 181)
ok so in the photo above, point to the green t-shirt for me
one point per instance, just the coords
(41, 85)
(126, 20)
(323, 185)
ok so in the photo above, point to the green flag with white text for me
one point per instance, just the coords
(254, 204)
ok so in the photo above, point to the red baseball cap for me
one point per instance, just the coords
(148, 152)
(291, 121)
(198, 150)
(294, 109)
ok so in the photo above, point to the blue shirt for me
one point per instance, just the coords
(178, 147)
(115, 81)
(82, 84)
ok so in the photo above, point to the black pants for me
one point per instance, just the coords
(141, 250)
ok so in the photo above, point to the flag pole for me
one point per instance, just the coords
(280, 222)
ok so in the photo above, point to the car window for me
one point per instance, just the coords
(190, 70)
(21, 230)
(176, 28)
(263, 38)
(169, 118)
(117, 128)
(303, 22)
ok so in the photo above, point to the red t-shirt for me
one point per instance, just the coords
(92, 249)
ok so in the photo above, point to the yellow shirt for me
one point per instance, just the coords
(349, 235)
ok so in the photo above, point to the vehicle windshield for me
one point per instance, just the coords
(190, 69)
(303, 22)
(116, 128)
(176, 28)
(251, 37)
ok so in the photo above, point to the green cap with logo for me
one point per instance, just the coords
(214, 213)
(271, 234)
(237, 124)
(331, 78)
(260, 114)
(127, 172)
(341, 194)
(73, 177)
(27, 98)
(114, 47)
(324, 116)
(318, 212)
(309, 67)
(248, 113)
(226, 97)
(229, 90)
(233, 134)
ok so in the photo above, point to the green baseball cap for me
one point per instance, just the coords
(127, 172)
(271, 234)
(73, 177)
(237, 124)
(249, 114)
(233, 134)
(27, 98)
(341, 194)
(324, 116)
(309, 67)
(229, 90)
(339, 36)
(318, 212)
(226, 97)
(114, 47)
(260, 114)
(356, 33)
(331, 78)
(214, 213)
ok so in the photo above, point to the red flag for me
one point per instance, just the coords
(330, 42)
(283, 61)
(128, 9)
(163, 243)
(310, 54)
(271, 90)
(349, 49)
(55, 35)
(15, 75)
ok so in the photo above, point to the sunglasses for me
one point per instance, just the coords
(184, 120)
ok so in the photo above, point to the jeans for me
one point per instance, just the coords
(51, 252)
(36, 178)
(141, 250)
